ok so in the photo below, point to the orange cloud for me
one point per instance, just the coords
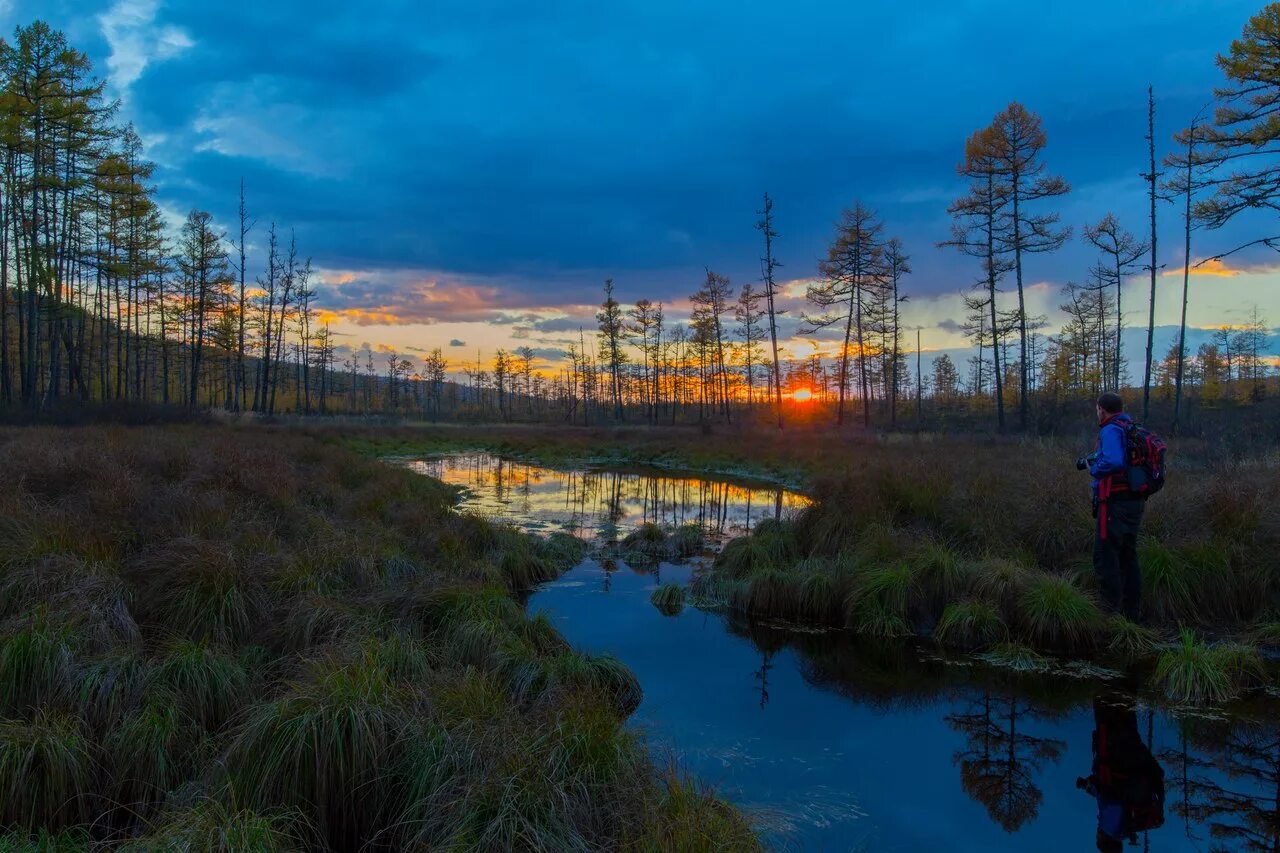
(1217, 268)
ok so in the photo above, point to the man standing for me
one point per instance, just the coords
(1117, 509)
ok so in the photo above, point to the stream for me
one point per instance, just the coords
(839, 743)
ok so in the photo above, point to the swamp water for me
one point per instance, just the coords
(840, 743)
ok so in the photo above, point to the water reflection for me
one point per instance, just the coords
(1125, 779)
(846, 742)
(1227, 780)
(606, 505)
(1000, 762)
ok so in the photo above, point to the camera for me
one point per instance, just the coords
(1084, 462)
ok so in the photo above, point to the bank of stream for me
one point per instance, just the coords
(842, 743)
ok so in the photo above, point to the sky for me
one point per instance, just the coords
(465, 174)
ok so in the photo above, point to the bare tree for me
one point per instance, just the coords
(768, 264)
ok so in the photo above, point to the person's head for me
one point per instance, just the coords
(1109, 403)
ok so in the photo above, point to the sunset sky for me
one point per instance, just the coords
(464, 174)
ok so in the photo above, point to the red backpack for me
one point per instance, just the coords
(1145, 453)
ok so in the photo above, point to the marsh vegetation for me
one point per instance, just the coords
(243, 639)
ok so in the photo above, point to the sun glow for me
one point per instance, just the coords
(802, 395)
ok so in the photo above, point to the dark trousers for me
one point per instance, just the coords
(1115, 555)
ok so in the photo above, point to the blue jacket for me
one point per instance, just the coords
(1112, 457)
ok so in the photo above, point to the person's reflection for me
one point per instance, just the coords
(1125, 779)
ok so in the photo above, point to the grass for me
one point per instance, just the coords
(1017, 657)
(212, 827)
(1196, 673)
(1056, 614)
(950, 538)
(668, 598)
(971, 624)
(46, 772)
(217, 638)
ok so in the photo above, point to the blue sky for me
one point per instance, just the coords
(470, 171)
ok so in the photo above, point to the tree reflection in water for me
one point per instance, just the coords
(1223, 782)
(604, 505)
(1232, 785)
(999, 762)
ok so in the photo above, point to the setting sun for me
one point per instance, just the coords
(802, 395)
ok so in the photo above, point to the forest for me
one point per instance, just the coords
(101, 300)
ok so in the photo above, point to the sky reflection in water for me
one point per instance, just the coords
(842, 743)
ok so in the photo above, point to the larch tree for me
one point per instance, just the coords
(978, 231)
(1120, 254)
(768, 265)
(1018, 140)
(1152, 177)
(641, 325)
(853, 268)
(1245, 134)
(897, 265)
(748, 314)
(244, 227)
(1190, 171)
(202, 263)
(612, 333)
(712, 302)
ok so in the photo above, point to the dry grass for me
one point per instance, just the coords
(966, 538)
(215, 638)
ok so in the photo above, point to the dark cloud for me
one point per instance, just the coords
(457, 343)
(536, 148)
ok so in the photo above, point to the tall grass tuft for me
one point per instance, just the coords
(771, 546)
(1001, 581)
(971, 624)
(1056, 614)
(816, 597)
(541, 680)
(46, 772)
(668, 598)
(648, 540)
(942, 573)
(687, 540)
(207, 682)
(692, 818)
(74, 840)
(111, 686)
(37, 665)
(767, 592)
(152, 752)
(211, 827)
(321, 748)
(200, 589)
(1169, 583)
(1197, 674)
(1129, 639)
(879, 603)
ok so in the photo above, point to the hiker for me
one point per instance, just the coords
(1118, 510)
(1125, 778)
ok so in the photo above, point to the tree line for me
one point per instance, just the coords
(100, 300)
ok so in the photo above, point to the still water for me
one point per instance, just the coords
(842, 744)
